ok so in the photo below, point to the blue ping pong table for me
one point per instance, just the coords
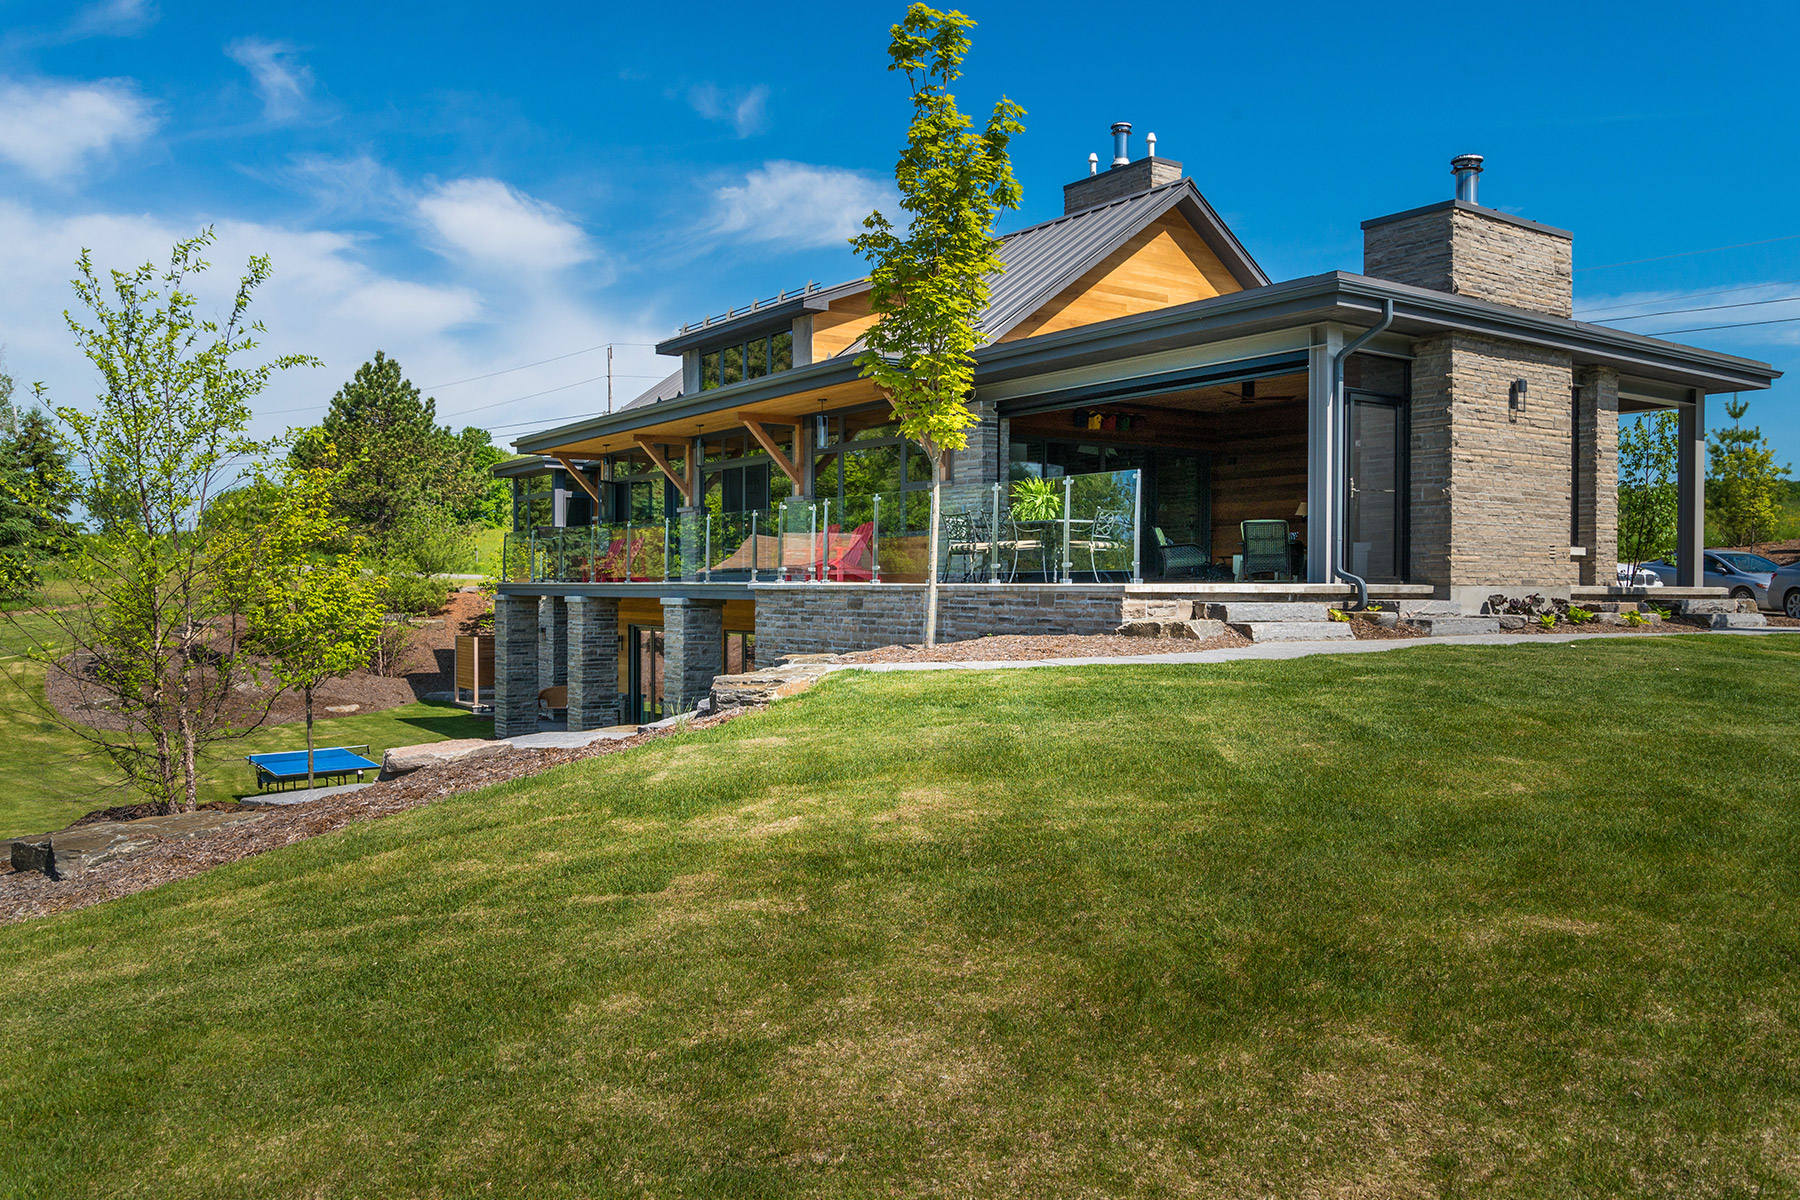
(289, 766)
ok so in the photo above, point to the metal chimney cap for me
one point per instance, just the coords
(1121, 127)
(1466, 162)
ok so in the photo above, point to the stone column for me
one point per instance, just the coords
(1690, 492)
(1597, 477)
(553, 657)
(1323, 485)
(515, 665)
(693, 651)
(593, 662)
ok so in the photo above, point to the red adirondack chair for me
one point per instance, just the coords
(851, 560)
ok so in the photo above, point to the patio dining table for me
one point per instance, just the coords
(1049, 531)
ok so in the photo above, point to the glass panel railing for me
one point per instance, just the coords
(1076, 528)
(897, 527)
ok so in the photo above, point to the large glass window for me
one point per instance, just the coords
(749, 359)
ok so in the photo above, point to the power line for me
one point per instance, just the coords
(1735, 325)
(1786, 237)
(1669, 312)
(1589, 314)
(534, 395)
(438, 387)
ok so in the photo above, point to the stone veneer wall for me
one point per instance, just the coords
(1491, 487)
(693, 650)
(1454, 247)
(1597, 423)
(837, 618)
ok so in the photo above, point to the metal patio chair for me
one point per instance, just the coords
(1110, 533)
(965, 537)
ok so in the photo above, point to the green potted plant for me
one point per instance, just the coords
(1037, 500)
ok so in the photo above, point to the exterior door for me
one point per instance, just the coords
(1375, 516)
(646, 675)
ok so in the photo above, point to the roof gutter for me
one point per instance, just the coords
(1340, 428)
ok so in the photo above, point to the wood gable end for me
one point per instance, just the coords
(1164, 264)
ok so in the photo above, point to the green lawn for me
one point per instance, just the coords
(1449, 921)
(49, 776)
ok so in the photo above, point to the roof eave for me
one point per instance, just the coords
(738, 395)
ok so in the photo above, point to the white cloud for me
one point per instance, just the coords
(327, 298)
(743, 110)
(52, 128)
(281, 79)
(114, 18)
(799, 204)
(487, 222)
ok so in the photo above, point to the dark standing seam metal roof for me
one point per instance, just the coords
(668, 389)
(1041, 260)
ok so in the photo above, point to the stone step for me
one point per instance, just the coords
(1294, 631)
(1699, 608)
(1183, 630)
(1257, 612)
(1435, 626)
(1739, 620)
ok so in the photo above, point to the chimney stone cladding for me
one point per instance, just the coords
(1472, 251)
(1119, 182)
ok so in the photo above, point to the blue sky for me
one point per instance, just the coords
(475, 187)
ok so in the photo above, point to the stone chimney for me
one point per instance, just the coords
(1458, 246)
(1123, 178)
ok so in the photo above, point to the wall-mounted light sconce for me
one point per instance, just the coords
(1515, 398)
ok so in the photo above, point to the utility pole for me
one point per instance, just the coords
(609, 377)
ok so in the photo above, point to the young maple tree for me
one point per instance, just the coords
(315, 616)
(930, 280)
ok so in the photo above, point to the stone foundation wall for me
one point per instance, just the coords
(839, 618)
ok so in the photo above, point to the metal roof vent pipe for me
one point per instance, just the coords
(1121, 143)
(1093, 164)
(1467, 169)
(1150, 146)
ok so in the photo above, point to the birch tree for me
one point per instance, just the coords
(155, 637)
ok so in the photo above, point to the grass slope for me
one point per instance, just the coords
(1443, 921)
(49, 776)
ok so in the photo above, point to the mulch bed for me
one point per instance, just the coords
(24, 895)
(429, 665)
(1024, 648)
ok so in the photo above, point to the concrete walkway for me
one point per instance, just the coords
(297, 795)
(562, 739)
(1284, 650)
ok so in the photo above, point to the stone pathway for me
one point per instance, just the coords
(297, 796)
(1275, 651)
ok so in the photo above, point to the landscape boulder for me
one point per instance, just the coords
(1187, 631)
(404, 760)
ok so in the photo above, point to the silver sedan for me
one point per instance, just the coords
(1784, 590)
(1744, 576)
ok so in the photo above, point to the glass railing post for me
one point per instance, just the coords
(628, 548)
(753, 545)
(825, 552)
(812, 540)
(665, 574)
(875, 539)
(706, 559)
(994, 540)
(1068, 548)
(531, 563)
(781, 569)
(1137, 522)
